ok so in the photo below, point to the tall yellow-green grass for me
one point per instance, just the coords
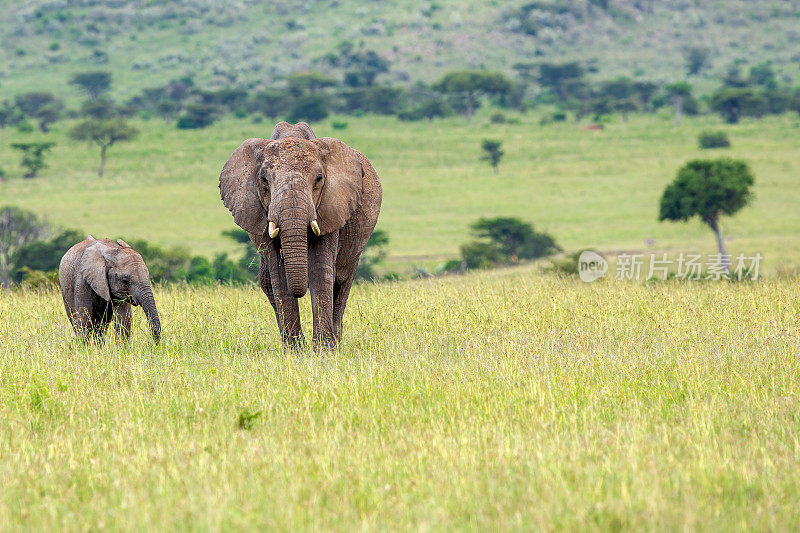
(496, 401)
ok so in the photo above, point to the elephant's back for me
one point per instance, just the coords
(66, 268)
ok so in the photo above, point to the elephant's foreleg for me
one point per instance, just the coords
(264, 280)
(102, 314)
(287, 310)
(321, 263)
(122, 321)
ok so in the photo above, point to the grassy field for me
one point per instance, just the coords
(493, 401)
(589, 189)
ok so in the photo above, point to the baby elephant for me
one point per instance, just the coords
(102, 278)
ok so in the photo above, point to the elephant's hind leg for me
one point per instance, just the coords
(341, 291)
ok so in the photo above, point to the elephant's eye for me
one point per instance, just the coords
(319, 179)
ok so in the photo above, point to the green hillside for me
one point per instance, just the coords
(252, 43)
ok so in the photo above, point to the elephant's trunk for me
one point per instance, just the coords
(294, 246)
(143, 295)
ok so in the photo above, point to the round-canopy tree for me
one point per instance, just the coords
(104, 133)
(708, 189)
(472, 84)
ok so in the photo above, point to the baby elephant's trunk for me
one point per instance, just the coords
(144, 297)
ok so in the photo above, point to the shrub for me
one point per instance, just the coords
(498, 118)
(373, 254)
(33, 156)
(714, 139)
(339, 125)
(430, 109)
(480, 254)
(42, 255)
(503, 240)
(492, 152)
(35, 279)
(197, 116)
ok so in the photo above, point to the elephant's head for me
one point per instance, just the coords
(116, 272)
(292, 190)
(301, 130)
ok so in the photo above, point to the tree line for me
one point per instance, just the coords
(352, 84)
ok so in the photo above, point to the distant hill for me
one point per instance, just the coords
(252, 43)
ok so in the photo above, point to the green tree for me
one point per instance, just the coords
(42, 106)
(309, 107)
(270, 102)
(565, 80)
(92, 83)
(308, 82)
(733, 103)
(514, 238)
(33, 156)
(103, 133)
(361, 67)
(17, 228)
(763, 75)
(492, 153)
(697, 58)
(678, 92)
(622, 94)
(708, 189)
(471, 85)
(9, 114)
(100, 108)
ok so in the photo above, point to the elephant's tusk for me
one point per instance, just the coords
(315, 228)
(273, 230)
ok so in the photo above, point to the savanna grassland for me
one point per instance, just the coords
(494, 401)
(589, 189)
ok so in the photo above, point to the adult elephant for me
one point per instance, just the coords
(310, 206)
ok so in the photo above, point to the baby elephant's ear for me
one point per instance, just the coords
(237, 186)
(344, 180)
(94, 269)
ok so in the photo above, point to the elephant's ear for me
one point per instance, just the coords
(279, 128)
(300, 130)
(308, 133)
(344, 180)
(94, 269)
(237, 186)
